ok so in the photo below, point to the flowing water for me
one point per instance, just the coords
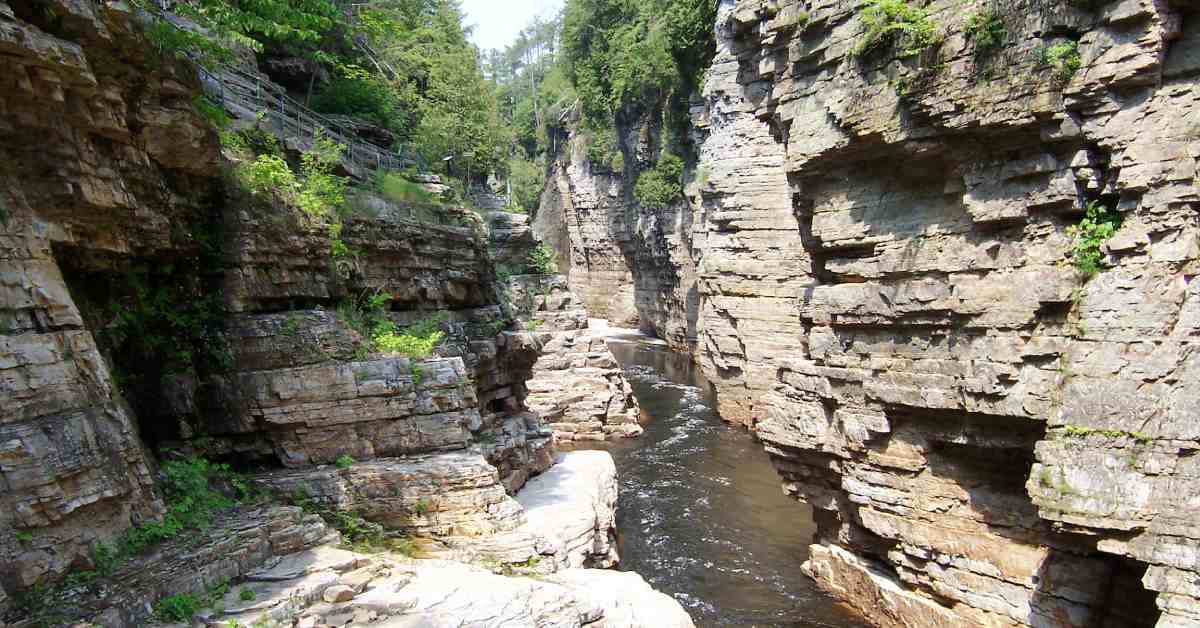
(701, 513)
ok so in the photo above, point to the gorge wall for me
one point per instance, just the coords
(874, 267)
(154, 311)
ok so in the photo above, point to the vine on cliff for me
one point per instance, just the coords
(1099, 224)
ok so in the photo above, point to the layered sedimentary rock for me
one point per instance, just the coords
(887, 295)
(86, 157)
(150, 304)
(576, 387)
(329, 587)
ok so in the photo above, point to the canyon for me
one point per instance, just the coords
(872, 265)
(875, 264)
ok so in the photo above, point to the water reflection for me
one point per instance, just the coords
(702, 515)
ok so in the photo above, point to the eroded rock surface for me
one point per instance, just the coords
(880, 254)
(328, 587)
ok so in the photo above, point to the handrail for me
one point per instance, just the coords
(232, 86)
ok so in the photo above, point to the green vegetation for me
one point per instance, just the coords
(896, 24)
(246, 594)
(540, 261)
(362, 96)
(157, 321)
(195, 491)
(1075, 431)
(661, 185)
(212, 112)
(602, 150)
(526, 179)
(1062, 58)
(344, 462)
(290, 326)
(399, 189)
(24, 537)
(417, 341)
(181, 607)
(421, 508)
(1098, 225)
(369, 317)
(298, 27)
(985, 28)
(619, 53)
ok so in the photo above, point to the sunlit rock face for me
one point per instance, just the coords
(880, 253)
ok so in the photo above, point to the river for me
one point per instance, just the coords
(701, 513)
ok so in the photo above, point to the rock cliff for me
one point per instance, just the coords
(151, 310)
(877, 268)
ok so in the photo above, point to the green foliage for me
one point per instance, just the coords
(897, 24)
(421, 508)
(290, 326)
(24, 537)
(270, 175)
(526, 178)
(322, 193)
(298, 26)
(541, 261)
(1075, 431)
(163, 321)
(1063, 58)
(246, 594)
(180, 607)
(212, 112)
(369, 317)
(622, 52)
(985, 28)
(602, 149)
(344, 462)
(435, 72)
(398, 189)
(362, 96)
(661, 185)
(194, 490)
(1098, 225)
(417, 341)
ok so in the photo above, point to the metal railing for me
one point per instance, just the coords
(234, 88)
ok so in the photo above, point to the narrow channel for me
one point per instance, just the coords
(701, 513)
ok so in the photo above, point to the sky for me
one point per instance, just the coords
(497, 22)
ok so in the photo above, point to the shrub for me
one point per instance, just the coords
(180, 607)
(1062, 58)
(896, 23)
(401, 190)
(985, 29)
(603, 152)
(344, 462)
(661, 185)
(246, 594)
(360, 97)
(268, 174)
(417, 341)
(321, 192)
(541, 261)
(1099, 224)
(526, 178)
(212, 112)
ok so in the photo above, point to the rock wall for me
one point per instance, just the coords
(115, 209)
(882, 249)
(574, 385)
